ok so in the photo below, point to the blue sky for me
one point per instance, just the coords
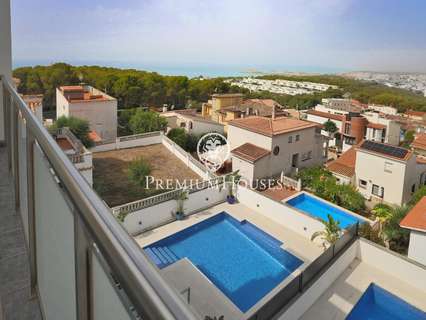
(331, 34)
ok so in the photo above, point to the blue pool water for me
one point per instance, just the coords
(244, 262)
(321, 209)
(379, 304)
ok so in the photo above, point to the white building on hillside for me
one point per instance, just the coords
(264, 147)
(91, 104)
(381, 172)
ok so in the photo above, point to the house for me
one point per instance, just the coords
(264, 147)
(76, 152)
(191, 121)
(354, 126)
(227, 107)
(381, 172)
(35, 103)
(91, 104)
(218, 102)
(419, 144)
(415, 221)
(415, 115)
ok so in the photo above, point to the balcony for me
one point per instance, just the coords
(64, 255)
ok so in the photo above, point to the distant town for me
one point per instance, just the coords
(280, 86)
(415, 82)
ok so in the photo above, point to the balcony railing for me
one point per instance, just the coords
(83, 264)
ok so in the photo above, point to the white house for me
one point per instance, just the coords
(264, 147)
(76, 152)
(381, 172)
(91, 104)
(35, 103)
(415, 221)
(192, 122)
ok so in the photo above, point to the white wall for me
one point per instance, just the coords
(102, 115)
(392, 263)
(5, 54)
(159, 214)
(142, 141)
(308, 298)
(279, 212)
(238, 136)
(417, 248)
(371, 168)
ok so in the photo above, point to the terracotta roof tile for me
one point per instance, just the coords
(416, 217)
(345, 165)
(327, 115)
(272, 127)
(250, 152)
(415, 113)
(93, 135)
(419, 141)
(376, 126)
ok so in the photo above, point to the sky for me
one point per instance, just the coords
(301, 35)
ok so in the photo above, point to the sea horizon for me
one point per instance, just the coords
(191, 71)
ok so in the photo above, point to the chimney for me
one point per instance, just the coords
(273, 112)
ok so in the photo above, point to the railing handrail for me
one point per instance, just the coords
(163, 197)
(152, 297)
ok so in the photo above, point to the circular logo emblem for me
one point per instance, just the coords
(213, 150)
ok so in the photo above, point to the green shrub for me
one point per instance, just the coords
(138, 171)
(79, 127)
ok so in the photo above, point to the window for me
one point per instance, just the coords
(377, 191)
(413, 188)
(310, 155)
(362, 183)
(182, 124)
(276, 150)
(297, 137)
(190, 125)
(290, 139)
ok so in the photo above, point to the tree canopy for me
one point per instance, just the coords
(79, 127)
(142, 121)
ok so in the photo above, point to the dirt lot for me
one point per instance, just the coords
(110, 175)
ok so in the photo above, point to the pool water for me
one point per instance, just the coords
(321, 209)
(244, 262)
(379, 304)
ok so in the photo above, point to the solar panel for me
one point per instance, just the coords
(385, 149)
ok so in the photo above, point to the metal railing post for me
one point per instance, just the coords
(82, 245)
(31, 212)
(15, 147)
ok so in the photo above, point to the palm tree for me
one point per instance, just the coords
(231, 181)
(331, 233)
(382, 213)
(181, 197)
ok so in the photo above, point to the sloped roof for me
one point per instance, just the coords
(327, 115)
(250, 152)
(345, 165)
(416, 217)
(271, 127)
(419, 141)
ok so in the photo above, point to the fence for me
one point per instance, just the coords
(136, 140)
(307, 277)
(187, 158)
(163, 197)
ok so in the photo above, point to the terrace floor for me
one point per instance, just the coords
(110, 172)
(15, 300)
(339, 299)
(278, 193)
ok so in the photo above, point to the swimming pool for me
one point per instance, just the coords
(244, 262)
(321, 209)
(379, 304)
